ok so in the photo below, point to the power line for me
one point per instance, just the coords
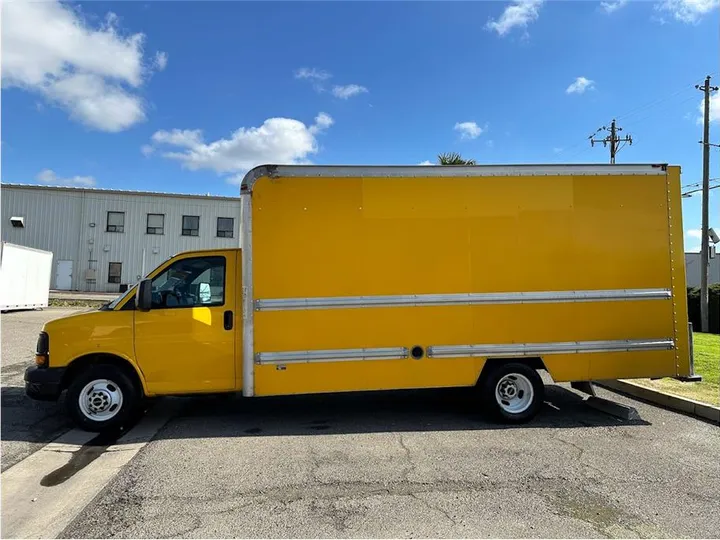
(688, 193)
(698, 184)
(654, 113)
(651, 104)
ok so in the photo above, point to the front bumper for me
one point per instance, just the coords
(43, 383)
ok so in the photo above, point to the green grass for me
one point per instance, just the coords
(61, 302)
(707, 363)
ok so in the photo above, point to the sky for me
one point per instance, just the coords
(187, 96)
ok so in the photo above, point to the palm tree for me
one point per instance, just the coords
(453, 158)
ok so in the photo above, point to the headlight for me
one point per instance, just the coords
(42, 351)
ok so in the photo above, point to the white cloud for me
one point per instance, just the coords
(694, 249)
(611, 7)
(312, 73)
(91, 101)
(558, 149)
(468, 130)
(694, 233)
(186, 138)
(579, 86)
(688, 11)
(520, 14)
(319, 76)
(160, 60)
(147, 150)
(322, 122)
(94, 73)
(426, 162)
(48, 176)
(277, 140)
(714, 108)
(490, 144)
(316, 76)
(348, 91)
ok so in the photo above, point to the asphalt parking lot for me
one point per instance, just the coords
(405, 464)
(26, 424)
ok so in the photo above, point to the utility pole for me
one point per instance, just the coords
(613, 140)
(705, 241)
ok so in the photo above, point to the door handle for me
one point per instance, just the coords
(228, 320)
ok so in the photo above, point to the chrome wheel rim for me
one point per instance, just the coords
(100, 400)
(514, 393)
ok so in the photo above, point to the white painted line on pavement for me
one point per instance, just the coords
(43, 493)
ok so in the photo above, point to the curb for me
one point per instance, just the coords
(676, 403)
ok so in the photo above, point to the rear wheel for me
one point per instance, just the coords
(512, 392)
(102, 397)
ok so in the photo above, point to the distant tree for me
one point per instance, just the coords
(453, 158)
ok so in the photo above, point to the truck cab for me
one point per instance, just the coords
(185, 340)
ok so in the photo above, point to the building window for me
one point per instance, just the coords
(115, 222)
(156, 223)
(191, 225)
(115, 272)
(225, 226)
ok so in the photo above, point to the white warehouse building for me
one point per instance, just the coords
(105, 240)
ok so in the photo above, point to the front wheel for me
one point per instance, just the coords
(512, 392)
(101, 398)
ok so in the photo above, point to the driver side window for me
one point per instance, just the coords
(197, 282)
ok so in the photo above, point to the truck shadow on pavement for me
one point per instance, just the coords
(452, 409)
(369, 412)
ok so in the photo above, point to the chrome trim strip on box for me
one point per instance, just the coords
(461, 299)
(331, 355)
(538, 349)
(466, 351)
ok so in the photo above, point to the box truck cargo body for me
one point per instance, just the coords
(373, 278)
(24, 277)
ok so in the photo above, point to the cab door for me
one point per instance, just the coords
(186, 342)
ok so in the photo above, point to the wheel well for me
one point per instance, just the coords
(80, 364)
(491, 363)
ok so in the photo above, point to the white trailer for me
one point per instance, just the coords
(24, 277)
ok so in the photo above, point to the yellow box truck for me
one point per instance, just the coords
(356, 278)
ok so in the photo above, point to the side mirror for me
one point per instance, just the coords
(143, 297)
(204, 293)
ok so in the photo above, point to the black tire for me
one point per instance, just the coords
(524, 378)
(118, 383)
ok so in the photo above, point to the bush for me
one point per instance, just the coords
(693, 296)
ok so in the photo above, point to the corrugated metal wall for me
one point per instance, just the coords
(692, 269)
(72, 224)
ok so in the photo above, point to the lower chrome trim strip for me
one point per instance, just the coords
(460, 299)
(466, 351)
(331, 355)
(537, 349)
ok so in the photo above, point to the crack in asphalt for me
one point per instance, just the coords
(433, 507)
(408, 456)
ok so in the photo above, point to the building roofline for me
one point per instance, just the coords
(78, 189)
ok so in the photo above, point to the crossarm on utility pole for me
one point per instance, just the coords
(613, 140)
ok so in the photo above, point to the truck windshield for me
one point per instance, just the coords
(111, 305)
